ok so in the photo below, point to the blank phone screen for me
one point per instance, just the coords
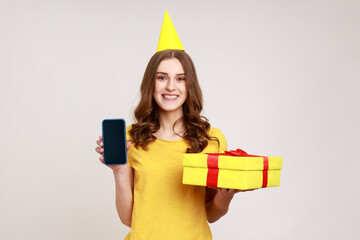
(114, 139)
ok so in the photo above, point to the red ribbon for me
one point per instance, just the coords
(213, 168)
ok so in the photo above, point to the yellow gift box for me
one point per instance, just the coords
(233, 169)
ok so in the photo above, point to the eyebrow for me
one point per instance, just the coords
(168, 74)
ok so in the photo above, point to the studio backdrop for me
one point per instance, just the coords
(279, 78)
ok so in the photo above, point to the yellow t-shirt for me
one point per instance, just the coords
(164, 208)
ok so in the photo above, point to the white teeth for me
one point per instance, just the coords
(170, 96)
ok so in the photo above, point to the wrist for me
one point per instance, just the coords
(222, 199)
(121, 172)
(221, 204)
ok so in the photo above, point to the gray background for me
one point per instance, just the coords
(278, 77)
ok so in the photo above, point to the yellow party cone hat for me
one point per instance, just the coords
(168, 36)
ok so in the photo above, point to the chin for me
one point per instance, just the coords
(169, 109)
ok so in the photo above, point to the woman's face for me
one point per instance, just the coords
(170, 90)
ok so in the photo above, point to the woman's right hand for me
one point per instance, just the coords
(124, 185)
(100, 150)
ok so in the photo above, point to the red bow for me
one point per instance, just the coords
(213, 168)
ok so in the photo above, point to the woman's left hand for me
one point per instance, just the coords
(225, 194)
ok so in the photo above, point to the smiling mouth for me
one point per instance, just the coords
(169, 97)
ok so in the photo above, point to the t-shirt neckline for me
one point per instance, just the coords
(170, 141)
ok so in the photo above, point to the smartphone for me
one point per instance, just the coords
(114, 140)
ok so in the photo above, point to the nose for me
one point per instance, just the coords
(170, 86)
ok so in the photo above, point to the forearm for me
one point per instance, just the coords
(217, 208)
(124, 196)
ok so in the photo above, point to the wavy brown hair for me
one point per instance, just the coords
(196, 127)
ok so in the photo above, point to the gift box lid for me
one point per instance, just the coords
(200, 160)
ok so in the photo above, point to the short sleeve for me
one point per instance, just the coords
(222, 140)
(215, 132)
(128, 138)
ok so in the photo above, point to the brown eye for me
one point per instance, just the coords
(161, 78)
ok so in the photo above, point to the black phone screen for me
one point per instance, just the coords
(114, 139)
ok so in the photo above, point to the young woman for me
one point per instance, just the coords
(150, 196)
